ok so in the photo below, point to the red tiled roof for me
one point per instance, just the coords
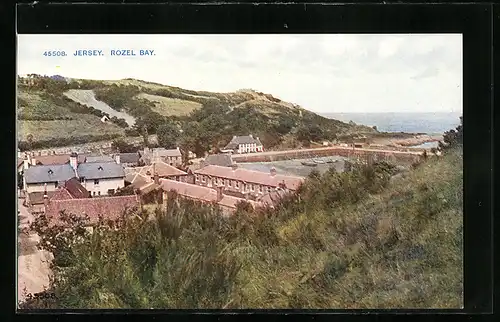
(189, 190)
(245, 175)
(147, 188)
(231, 202)
(75, 188)
(108, 207)
(61, 194)
(56, 159)
(202, 193)
(163, 169)
(137, 180)
(272, 198)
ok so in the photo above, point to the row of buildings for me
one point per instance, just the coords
(90, 184)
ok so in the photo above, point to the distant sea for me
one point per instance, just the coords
(430, 123)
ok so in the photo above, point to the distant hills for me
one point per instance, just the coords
(56, 107)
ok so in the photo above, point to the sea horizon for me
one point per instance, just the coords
(409, 122)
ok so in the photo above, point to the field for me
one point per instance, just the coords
(170, 106)
(82, 124)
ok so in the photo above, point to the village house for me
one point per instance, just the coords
(172, 157)
(244, 144)
(131, 159)
(71, 189)
(205, 195)
(100, 178)
(243, 181)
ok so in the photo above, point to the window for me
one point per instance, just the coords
(55, 184)
(236, 184)
(268, 189)
(98, 193)
(252, 187)
(260, 188)
(229, 183)
(82, 179)
(203, 179)
(93, 193)
(96, 181)
(197, 178)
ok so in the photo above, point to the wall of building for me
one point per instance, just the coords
(40, 187)
(233, 185)
(246, 148)
(103, 186)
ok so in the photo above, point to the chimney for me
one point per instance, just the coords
(73, 160)
(273, 171)
(117, 158)
(250, 135)
(26, 163)
(219, 193)
(45, 197)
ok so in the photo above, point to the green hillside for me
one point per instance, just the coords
(206, 120)
(369, 238)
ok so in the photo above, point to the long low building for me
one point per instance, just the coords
(205, 195)
(99, 178)
(245, 181)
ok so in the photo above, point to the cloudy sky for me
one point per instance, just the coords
(322, 73)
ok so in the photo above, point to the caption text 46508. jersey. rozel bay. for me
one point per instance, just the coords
(101, 52)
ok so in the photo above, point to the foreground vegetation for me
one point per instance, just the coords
(367, 238)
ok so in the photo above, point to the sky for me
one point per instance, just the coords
(324, 73)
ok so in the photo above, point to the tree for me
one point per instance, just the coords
(123, 146)
(452, 138)
(168, 134)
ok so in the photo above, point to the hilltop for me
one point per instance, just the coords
(60, 111)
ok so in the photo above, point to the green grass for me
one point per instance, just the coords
(337, 246)
(170, 106)
(81, 124)
(33, 107)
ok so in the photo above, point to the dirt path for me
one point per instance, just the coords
(33, 265)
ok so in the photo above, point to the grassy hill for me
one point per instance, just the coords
(218, 116)
(361, 239)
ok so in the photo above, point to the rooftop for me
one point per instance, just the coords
(202, 193)
(251, 176)
(223, 160)
(109, 207)
(55, 173)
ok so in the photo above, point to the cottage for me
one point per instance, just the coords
(104, 119)
(172, 157)
(243, 181)
(244, 144)
(72, 189)
(129, 159)
(100, 178)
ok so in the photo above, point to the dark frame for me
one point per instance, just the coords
(474, 21)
